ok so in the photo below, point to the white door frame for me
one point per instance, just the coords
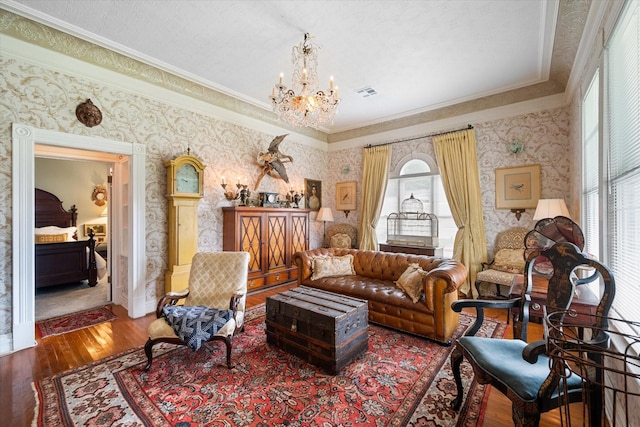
(24, 138)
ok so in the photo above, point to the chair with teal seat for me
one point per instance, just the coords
(524, 372)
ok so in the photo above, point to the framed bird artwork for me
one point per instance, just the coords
(346, 196)
(518, 187)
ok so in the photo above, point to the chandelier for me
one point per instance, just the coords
(304, 105)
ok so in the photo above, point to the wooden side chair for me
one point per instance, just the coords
(217, 280)
(524, 372)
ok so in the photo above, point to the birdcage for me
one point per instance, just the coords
(412, 226)
(607, 360)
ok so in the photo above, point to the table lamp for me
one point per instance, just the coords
(551, 208)
(324, 215)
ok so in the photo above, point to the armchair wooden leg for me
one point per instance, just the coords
(456, 361)
(228, 343)
(148, 350)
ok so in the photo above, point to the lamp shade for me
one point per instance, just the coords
(324, 214)
(551, 208)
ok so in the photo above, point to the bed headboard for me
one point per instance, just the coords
(49, 211)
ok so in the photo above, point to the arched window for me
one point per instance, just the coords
(417, 177)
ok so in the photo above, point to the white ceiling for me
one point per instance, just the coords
(418, 55)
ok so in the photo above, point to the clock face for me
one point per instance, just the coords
(187, 179)
(271, 198)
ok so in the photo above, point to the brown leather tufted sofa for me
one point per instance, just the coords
(376, 272)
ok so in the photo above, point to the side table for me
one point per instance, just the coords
(414, 250)
(585, 302)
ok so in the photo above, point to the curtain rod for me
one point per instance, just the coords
(419, 137)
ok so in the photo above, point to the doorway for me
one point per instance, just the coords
(73, 176)
(128, 197)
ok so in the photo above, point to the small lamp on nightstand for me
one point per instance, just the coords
(324, 215)
(551, 208)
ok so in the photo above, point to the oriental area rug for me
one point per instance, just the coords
(401, 380)
(74, 321)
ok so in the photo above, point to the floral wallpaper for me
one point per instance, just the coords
(46, 98)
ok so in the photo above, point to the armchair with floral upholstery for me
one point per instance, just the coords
(341, 236)
(214, 304)
(508, 262)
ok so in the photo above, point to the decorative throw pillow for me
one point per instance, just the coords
(340, 240)
(509, 261)
(332, 266)
(52, 229)
(411, 281)
(50, 238)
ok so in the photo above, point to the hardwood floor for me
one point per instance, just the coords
(59, 353)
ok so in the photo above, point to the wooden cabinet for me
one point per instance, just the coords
(271, 236)
(415, 250)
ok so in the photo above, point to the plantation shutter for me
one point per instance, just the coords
(623, 117)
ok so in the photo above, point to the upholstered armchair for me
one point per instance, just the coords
(217, 283)
(341, 236)
(508, 260)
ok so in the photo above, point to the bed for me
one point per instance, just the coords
(60, 257)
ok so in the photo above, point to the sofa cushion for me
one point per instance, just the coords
(332, 266)
(509, 261)
(411, 281)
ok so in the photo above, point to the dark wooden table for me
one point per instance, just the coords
(584, 301)
(415, 250)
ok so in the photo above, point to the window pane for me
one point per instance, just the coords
(415, 166)
(590, 168)
(428, 189)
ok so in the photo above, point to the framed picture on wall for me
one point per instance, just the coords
(98, 229)
(518, 187)
(313, 194)
(346, 196)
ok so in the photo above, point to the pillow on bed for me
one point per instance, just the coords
(331, 266)
(50, 238)
(52, 229)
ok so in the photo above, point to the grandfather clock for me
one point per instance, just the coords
(184, 191)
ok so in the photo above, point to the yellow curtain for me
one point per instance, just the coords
(375, 175)
(458, 163)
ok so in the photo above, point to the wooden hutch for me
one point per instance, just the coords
(271, 236)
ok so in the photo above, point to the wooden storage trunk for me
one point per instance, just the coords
(326, 329)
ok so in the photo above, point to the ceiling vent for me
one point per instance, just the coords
(366, 92)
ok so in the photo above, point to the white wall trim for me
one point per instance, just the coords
(24, 138)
